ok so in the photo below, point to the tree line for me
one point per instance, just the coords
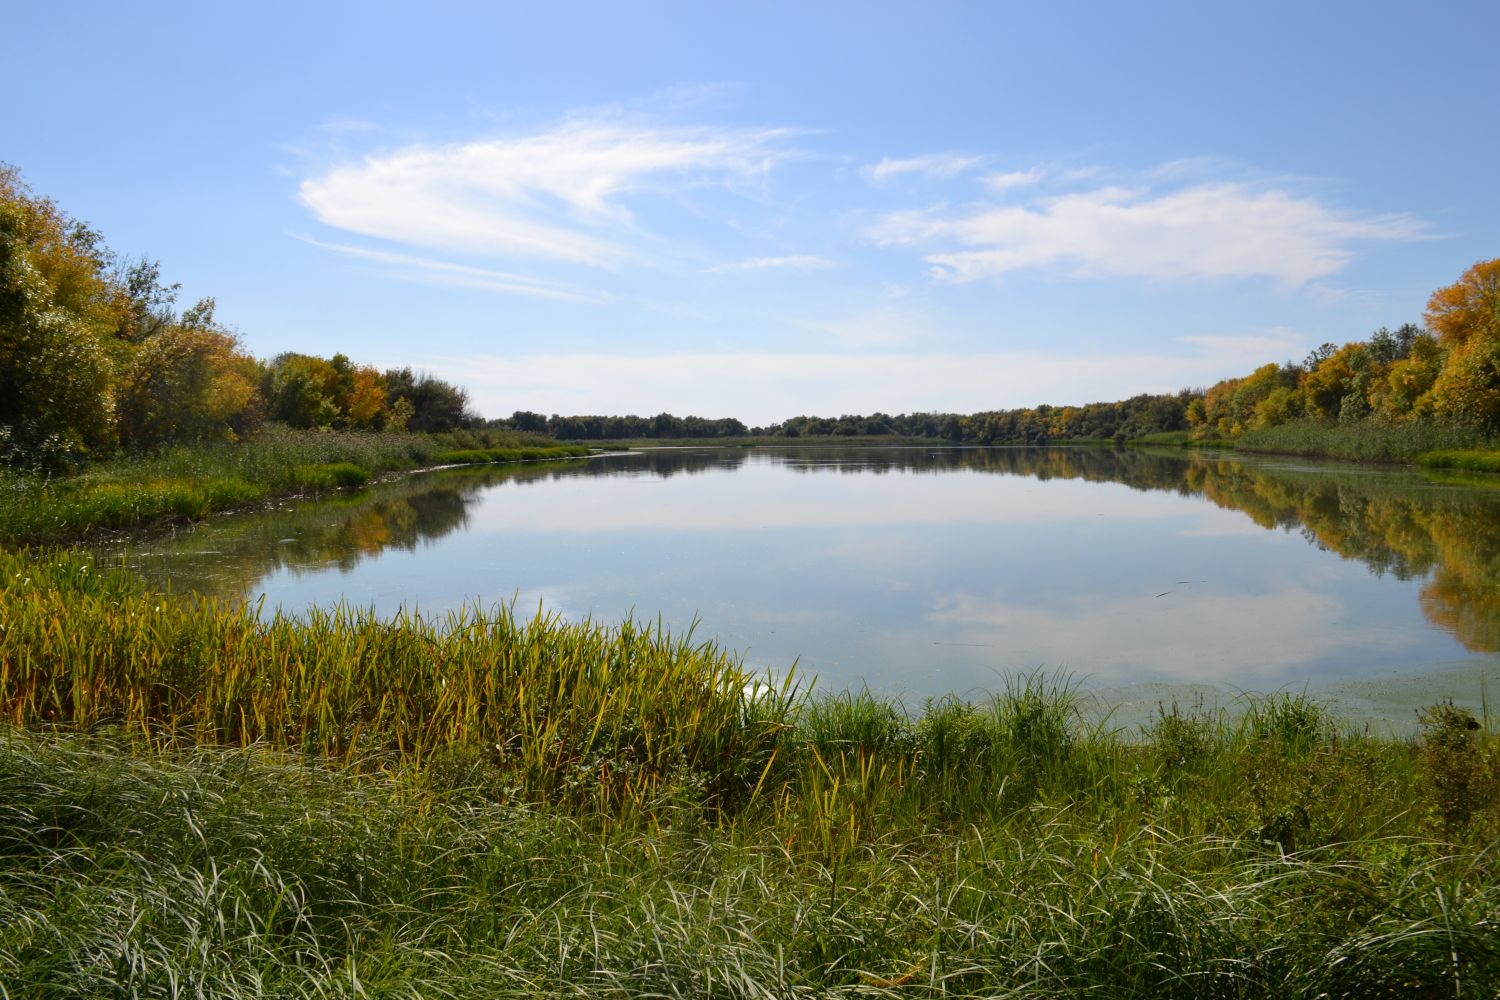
(1447, 371)
(1134, 417)
(95, 357)
(619, 428)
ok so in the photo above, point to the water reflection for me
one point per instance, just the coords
(927, 568)
(230, 557)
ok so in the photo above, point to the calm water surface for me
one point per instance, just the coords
(929, 571)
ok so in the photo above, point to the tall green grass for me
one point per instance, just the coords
(626, 718)
(199, 800)
(1466, 460)
(567, 709)
(1364, 441)
(242, 873)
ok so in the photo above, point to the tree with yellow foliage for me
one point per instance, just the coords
(189, 381)
(1466, 317)
(366, 403)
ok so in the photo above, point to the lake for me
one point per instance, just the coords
(1145, 575)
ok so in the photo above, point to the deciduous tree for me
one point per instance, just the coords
(1466, 317)
(57, 310)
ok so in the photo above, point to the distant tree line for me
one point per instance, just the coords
(611, 428)
(1134, 417)
(1447, 371)
(95, 358)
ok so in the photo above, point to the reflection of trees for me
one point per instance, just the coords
(1392, 521)
(1463, 595)
(1450, 535)
(1395, 522)
(663, 462)
(399, 522)
(338, 531)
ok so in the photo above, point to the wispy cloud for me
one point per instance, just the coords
(872, 328)
(932, 165)
(1013, 179)
(557, 195)
(793, 262)
(1200, 231)
(461, 275)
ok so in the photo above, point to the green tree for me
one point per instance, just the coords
(301, 390)
(436, 405)
(1407, 392)
(149, 301)
(57, 311)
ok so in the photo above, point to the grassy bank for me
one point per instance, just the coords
(1462, 460)
(189, 483)
(1177, 439)
(1363, 441)
(194, 799)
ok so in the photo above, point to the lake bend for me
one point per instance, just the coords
(1146, 576)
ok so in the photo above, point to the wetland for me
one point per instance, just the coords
(929, 571)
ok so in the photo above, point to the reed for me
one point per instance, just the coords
(1177, 439)
(571, 710)
(1361, 440)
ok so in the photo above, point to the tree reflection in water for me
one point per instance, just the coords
(1409, 524)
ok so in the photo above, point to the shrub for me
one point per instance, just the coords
(1452, 765)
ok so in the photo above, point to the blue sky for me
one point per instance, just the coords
(761, 210)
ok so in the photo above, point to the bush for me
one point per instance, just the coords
(331, 476)
(1452, 764)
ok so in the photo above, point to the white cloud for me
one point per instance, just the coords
(556, 195)
(460, 275)
(932, 165)
(1207, 230)
(793, 262)
(1014, 179)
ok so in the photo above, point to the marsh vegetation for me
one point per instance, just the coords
(196, 800)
